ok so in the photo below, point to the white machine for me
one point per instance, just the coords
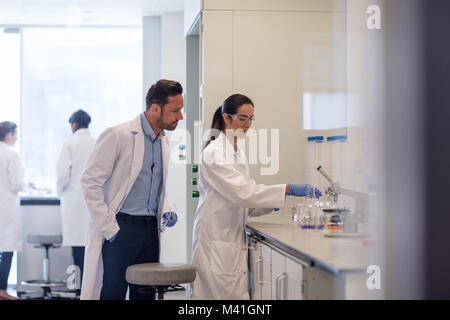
(351, 218)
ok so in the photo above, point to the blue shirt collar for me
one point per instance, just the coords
(147, 128)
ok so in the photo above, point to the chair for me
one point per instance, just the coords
(160, 276)
(45, 241)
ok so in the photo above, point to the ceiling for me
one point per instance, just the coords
(83, 12)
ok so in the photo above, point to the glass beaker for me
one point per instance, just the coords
(299, 206)
(307, 217)
(320, 217)
(295, 214)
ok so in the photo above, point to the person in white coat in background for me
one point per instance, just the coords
(124, 185)
(69, 168)
(227, 196)
(11, 182)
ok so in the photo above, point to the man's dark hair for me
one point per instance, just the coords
(160, 91)
(5, 128)
(81, 117)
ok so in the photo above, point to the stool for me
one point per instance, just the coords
(45, 241)
(160, 276)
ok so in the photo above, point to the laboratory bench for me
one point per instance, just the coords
(286, 262)
(39, 201)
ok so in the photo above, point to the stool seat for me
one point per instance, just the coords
(160, 274)
(45, 238)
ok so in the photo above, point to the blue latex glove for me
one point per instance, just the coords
(303, 190)
(169, 219)
(113, 237)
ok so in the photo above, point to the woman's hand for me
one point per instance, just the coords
(303, 190)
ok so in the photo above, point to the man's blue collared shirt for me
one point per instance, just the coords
(143, 198)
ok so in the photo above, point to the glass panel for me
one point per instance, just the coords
(10, 77)
(98, 70)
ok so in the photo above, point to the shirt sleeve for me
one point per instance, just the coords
(256, 212)
(15, 174)
(227, 180)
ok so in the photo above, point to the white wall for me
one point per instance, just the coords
(164, 56)
(191, 11)
(173, 67)
(274, 63)
(151, 46)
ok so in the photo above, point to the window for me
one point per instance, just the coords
(324, 111)
(66, 69)
(10, 76)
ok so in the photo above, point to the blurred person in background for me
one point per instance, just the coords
(11, 183)
(69, 168)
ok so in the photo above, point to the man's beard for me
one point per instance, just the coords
(166, 126)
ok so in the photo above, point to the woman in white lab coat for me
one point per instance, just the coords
(70, 165)
(11, 182)
(227, 196)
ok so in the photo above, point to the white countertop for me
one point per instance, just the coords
(338, 255)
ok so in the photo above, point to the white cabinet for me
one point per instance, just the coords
(279, 276)
(266, 272)
(255, 259)
(273, 274)
(260, 271)
(287, 277)
(295, 276)
(245, 45)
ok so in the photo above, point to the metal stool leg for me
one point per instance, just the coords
(160, 290)
(46, 265)
(45, 284)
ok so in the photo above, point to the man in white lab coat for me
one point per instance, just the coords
(70, 165)
(124, 186)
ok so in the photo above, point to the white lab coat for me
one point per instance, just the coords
(227, 197)
(110, 173)
(70, 165)
(11, 182)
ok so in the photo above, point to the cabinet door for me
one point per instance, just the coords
(266, 273)
(278, 275)
(255, 261)
(294, 271)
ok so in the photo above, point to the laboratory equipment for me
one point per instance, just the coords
(349, 218)
(314, 152)
(334, 219)
(337, 146)
(313, 216)
(295, 214)
(320, 216)
(307, 214)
